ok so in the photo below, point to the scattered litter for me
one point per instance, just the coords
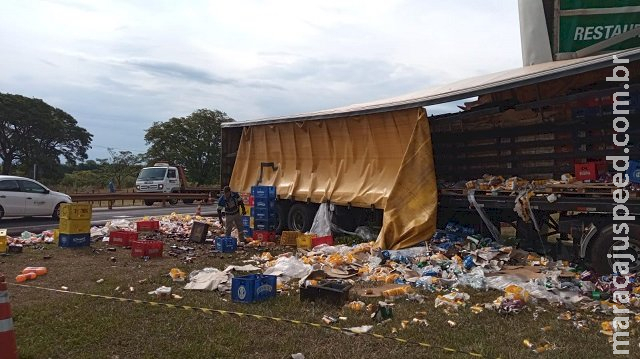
(361, 329)
(328, 320)
(100, 281)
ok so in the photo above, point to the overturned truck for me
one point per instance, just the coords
(389, 163)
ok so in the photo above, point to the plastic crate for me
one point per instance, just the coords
(148, 226)
(75, 211)
(146, 248)
(253, 288)
(74, 240)
(264, 225)
(336, 293)
(122, 238)
(264, 214)
(199, 231)
(74, 226)
(264, 204)
(4, 244)
(248, 233)
(246, 221)
(305, 241)
(264, 236)
(634, 171)
(590, 171)
(288, 238)
(226, 244)
(322, 240)
(263, 192)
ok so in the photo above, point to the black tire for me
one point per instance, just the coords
(187, 201)
(282, 209)
(149, 202)
(603, 245)
(301, 216)
(56, 212)
(173, 201)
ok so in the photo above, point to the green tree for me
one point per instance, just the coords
(123, 167)
(193, 141)
(33, 132)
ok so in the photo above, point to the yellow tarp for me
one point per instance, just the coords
(410, 214)
(346, 160)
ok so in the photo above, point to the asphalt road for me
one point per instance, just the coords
(16, 226)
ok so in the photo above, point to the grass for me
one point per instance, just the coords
(58, 325)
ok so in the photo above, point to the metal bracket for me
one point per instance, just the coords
(586, 238)
(262, 166)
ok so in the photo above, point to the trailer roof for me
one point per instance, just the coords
(459, 90)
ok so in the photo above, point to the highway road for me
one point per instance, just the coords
(16, 226)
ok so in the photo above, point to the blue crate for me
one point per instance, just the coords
(269, 204)
(226, 244)
(74, 240)
(248, 232)
(634, 171)
(264, 225)
(263, 214)
(585, 112)
(253, 288)
(263, 192)
(246, 221)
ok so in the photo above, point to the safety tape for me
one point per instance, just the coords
(211, 311)
(6, 325)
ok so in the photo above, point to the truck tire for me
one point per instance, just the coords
(149, 202)
(282, 209)
(301, 216)
(603, 245)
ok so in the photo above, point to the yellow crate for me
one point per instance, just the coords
(75, 211)
(74, 226)
(305, 241)
(3, 240)
(289, 238)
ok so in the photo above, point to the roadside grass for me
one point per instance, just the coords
(61, 325)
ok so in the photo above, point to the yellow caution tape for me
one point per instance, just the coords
(256, 316)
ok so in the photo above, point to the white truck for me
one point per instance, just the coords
(164, 178)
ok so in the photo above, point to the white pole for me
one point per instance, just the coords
(34, 171)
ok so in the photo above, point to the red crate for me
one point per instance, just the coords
(122, 238)
(322, 240)
(148, 226)
(251, 201)
(590, 171)
(146, 248)
(264, 236)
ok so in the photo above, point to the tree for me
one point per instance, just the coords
(123, 167)
(33, 132)
(193, 141)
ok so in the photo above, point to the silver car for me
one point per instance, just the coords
(21, 197)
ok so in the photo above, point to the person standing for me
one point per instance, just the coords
(232, 203)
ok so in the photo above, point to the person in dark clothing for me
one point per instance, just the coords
(232, 204)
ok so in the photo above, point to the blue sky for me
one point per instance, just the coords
(118, 66)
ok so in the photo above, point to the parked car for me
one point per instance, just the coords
(21, 197)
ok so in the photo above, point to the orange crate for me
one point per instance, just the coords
(288, 238)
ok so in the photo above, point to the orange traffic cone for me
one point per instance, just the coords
(8, 347)
(199, 210)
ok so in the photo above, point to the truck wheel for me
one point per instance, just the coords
(282, 209)
(149, 202)
(301, 217)
(604, 246)
(187, 201)
(173, 201)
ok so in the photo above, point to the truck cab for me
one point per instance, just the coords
(159, 178)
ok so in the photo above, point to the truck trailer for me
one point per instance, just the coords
(389, 163)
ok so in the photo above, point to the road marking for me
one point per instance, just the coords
(122, 216)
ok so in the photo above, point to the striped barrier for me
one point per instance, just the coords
(8, 348)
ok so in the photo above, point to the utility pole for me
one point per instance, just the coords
(35, 167)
